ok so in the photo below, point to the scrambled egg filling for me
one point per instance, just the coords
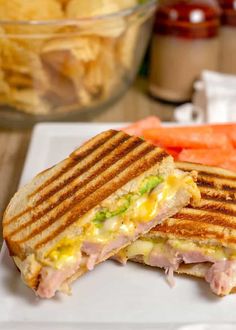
(129, 210)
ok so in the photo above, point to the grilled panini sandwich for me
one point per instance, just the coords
(83, 210)
(199, 240)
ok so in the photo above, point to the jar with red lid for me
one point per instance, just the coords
(228, 36)
(185, 42)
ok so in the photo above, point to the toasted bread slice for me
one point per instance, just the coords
(200, 240)
(83, 210)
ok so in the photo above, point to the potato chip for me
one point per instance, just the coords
(109, 66)
(29, 101)
(67, 64)
(40, 78)
(17, 80)
(126, 46)
(53, 68)
(4, 86)
(58, 60)
(85, 9)
(111, 27)
(69, 56)
(93, 79)
(63, 2)
(61, 89)
(75, 70)
(18, 10)
(78, 8)
(126, 3)
(82, 48)
(83, 96)
(14, 56)
(100, 77)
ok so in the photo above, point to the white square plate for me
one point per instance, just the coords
(111, 296)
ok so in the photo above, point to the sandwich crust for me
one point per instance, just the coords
(196, 270)
(210, 222)
(59, 197)
(59, 201)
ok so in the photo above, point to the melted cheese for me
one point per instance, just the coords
(176, 182)
(127, 227)
(144, 247)
(147, 207)
(67, 251)
(142, 210)
(216, 252)
(139, 247)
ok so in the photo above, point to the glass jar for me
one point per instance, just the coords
(228, 36)
(185, 42)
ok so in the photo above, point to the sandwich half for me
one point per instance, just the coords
(83, 210)
(200, 240)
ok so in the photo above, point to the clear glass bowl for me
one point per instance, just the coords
(59, 70)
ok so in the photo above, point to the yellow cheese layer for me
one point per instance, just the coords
(143, 209)
(144, 247)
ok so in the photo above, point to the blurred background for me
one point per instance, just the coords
(66, 60)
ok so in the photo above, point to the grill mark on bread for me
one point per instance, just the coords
(17, 216)
(104, 152)
(96, 142)
(229, 188)
(215, 212)
(216, 206)
(118, 152)
(205, 181)
(202, 182)
(220, 196)
(99, 182)
(186, 228)
(205, 170)
(72, 161)
(217, 175)
(210, 179)
(97, 197)
(208, 217)
(209, 174)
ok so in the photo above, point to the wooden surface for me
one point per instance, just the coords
(14, 143)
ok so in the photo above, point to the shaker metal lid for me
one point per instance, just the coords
(228, 16)
(188, 20)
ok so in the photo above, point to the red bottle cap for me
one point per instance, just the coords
(187, 20)
(228, 16)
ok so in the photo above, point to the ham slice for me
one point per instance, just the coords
(192, 257)
(173, 258)
(222, 277)
(51, 280)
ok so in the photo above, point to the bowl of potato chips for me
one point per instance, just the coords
(60, 59)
